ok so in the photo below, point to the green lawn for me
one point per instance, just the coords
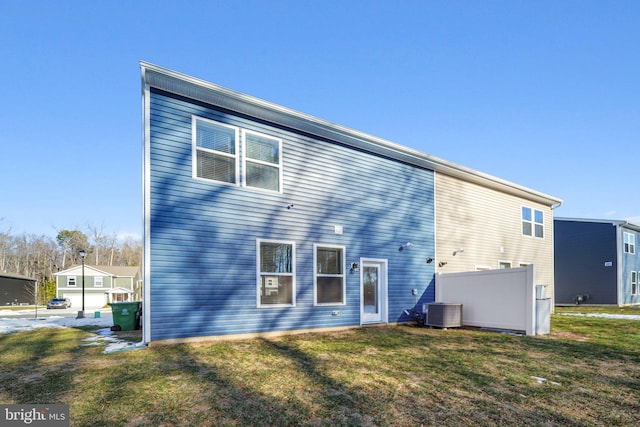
(587, 372)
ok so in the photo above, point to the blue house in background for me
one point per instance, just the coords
(263, 220)
(596, 261)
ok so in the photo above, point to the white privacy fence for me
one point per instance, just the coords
(500, 299)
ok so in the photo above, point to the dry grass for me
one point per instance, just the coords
(390, 376)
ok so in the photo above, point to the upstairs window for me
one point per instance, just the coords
(276, 274)
(71, 280)
(629, 243)
(262, 161)
(329, 275)
(215, 148)
(98, 281)
(532, 222)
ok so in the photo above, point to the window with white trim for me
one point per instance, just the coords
(262, 161)
(532, 222)
(215, 149)
(276, 273)
(329, 267)
(98, 281)
(216, 155)
(634, 283)
(504, 264)
(71, 281)
(629, 243)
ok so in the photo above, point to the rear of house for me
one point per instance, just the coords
(596, 261)
(262, 220)
(493, 224)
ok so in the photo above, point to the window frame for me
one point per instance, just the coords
(246, 159)
(194, 150)
(504, 262)
(633, 279)
(533, 223)
(629, 247)
(343, 275)
(98, 281)
(73, 279)
(259, 273)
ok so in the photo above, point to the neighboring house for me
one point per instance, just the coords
(597, 261)
(16, 290)
(484, 224)
(102, 285)
(263, 220)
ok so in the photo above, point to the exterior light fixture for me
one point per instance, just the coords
(407, 245)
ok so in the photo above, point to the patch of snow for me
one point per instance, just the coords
(8, 325)
(123, 346)
(541, 380)
(608, 316)
(103, 337)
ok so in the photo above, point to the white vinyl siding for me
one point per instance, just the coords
(488, 224)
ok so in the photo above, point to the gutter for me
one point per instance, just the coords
(194, 88)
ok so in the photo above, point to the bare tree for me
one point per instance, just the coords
(39, 257)
(131, 253)
(111, 243)
(71, 241)
(98, 241)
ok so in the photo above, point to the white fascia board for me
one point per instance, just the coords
(194, 88)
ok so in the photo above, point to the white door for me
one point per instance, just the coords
(373, 291)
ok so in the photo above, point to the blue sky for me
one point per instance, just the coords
(545, 94)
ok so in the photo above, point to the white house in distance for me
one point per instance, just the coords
(102, 285)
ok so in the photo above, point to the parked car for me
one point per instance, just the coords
(59, 303)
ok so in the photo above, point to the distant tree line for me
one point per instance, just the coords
(39, 257)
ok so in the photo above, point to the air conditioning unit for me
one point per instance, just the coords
(443, 315)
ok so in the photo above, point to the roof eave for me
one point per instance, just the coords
(201, 90)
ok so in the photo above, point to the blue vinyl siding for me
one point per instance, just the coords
(203, 234)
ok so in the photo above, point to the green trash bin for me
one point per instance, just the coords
(124, 314)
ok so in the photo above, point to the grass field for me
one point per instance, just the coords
(587, 372)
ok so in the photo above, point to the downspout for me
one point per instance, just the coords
(146, 274)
